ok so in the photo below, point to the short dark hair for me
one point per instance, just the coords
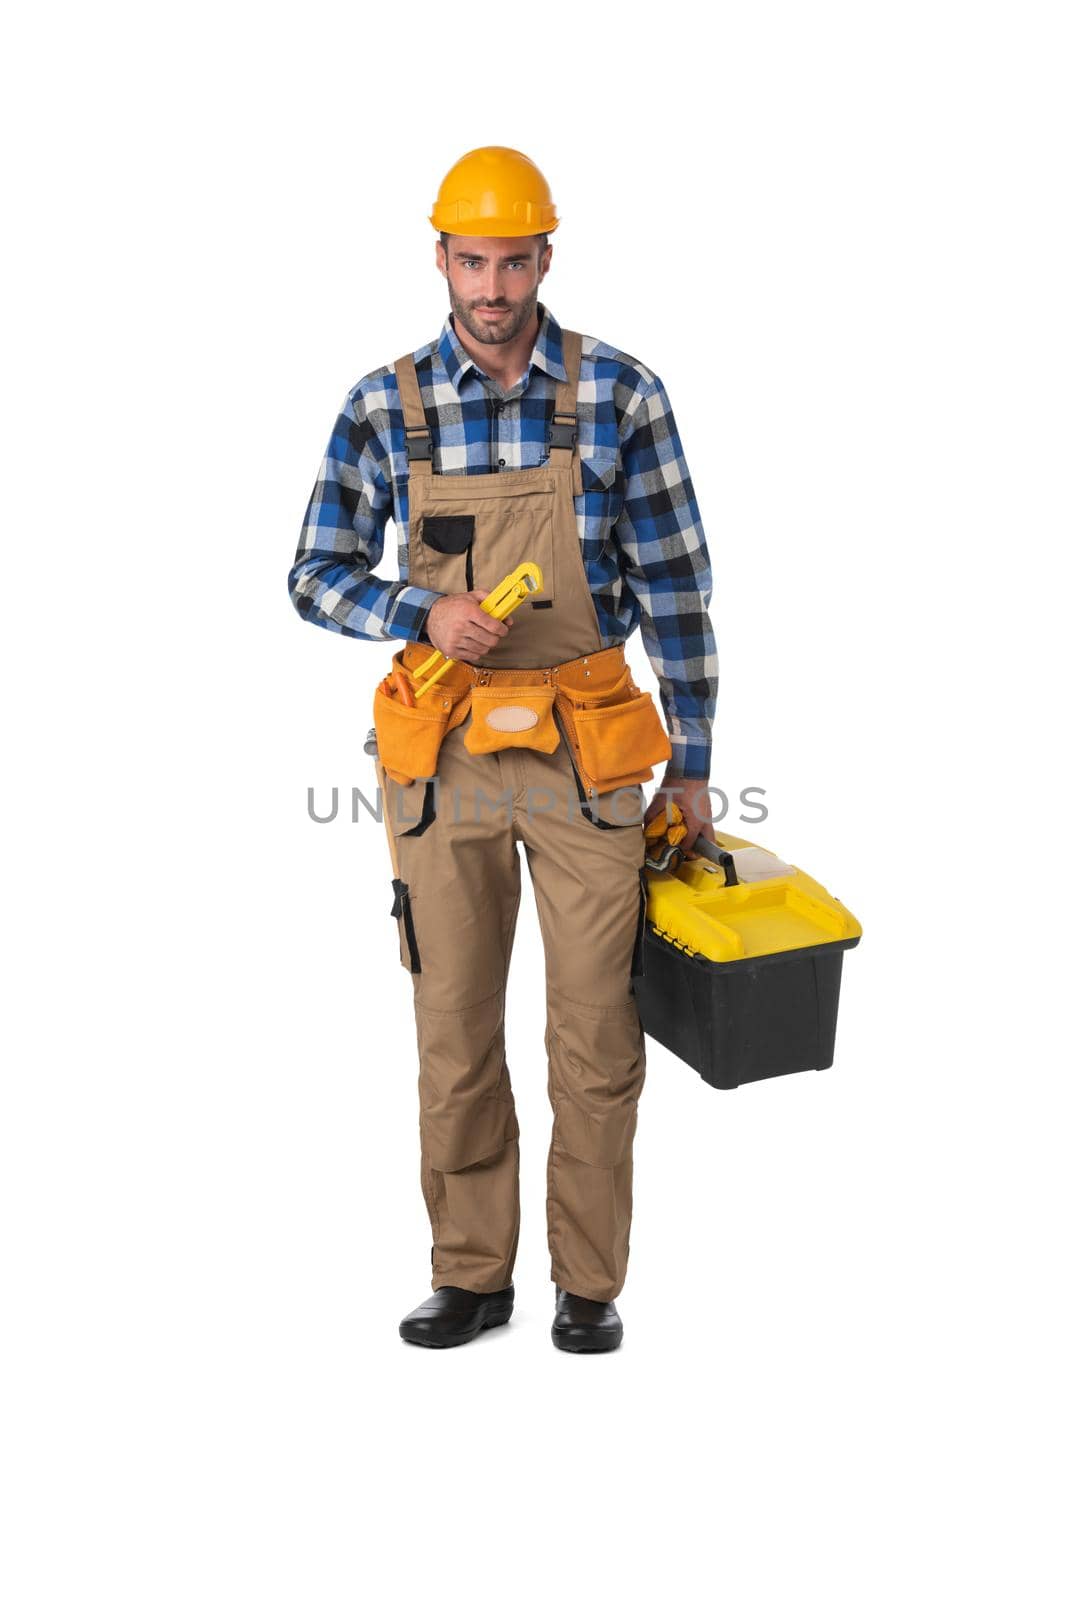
(542, 241)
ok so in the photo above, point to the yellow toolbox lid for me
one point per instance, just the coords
(779, 909)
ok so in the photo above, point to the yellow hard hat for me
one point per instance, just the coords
(494, 192)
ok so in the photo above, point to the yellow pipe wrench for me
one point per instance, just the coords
(526, 579)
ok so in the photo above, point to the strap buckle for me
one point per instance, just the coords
(418, 448)
(563, 433)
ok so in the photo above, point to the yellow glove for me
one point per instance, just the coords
(668, 823)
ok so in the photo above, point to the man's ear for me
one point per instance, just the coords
(442, 259)
(546, 260)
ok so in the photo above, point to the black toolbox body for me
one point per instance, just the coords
(741, 1021)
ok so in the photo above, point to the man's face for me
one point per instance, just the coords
(493, 284)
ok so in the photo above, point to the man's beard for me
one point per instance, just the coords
(498, 330)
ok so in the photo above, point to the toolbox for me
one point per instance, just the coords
(741, 962)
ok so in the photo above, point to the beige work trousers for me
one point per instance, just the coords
(457, 852)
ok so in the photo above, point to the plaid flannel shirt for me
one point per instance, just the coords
(642, 543)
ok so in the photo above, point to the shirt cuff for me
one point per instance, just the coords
(688, 760)
(410, 613)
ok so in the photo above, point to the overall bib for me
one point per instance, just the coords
(546, 740)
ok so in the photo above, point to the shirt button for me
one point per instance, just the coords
(501, 462)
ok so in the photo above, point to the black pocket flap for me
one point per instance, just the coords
(450, 535)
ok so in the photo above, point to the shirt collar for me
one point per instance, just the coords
(547, 352)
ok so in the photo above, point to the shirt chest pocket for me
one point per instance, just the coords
(599, 471)
(602, 495)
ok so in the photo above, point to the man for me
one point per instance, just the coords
(508, 442)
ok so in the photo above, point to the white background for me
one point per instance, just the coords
(836, 232)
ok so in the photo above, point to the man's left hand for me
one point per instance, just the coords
(693, 800)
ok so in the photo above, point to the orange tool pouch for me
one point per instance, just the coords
(615, 732)
(409, 736)
(506, 716)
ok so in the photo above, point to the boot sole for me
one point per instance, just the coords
(496, 1320)
(586, 1344)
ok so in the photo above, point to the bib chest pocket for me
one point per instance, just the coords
(474, 530)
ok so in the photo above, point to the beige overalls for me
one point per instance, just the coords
(562, 741)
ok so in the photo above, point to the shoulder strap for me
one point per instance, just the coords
(563, 434)
(417, 439)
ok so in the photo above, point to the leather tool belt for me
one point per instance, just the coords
(612, 728)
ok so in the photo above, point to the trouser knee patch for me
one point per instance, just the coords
(458, 1137)
(597, 1138)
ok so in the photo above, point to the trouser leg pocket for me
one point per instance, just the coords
(409, 949)
(637, 960)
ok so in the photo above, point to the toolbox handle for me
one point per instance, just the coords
(722, 858)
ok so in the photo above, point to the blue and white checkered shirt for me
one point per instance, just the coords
(642, 543)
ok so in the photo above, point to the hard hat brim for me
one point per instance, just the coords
(495, 228)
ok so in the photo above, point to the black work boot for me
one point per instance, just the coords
(584, 1325)
(454, 1316)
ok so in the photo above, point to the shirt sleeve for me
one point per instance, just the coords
(332, 580)
(665, 564)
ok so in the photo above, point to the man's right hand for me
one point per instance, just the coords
(458, 627)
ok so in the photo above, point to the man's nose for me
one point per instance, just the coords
(494, 287)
